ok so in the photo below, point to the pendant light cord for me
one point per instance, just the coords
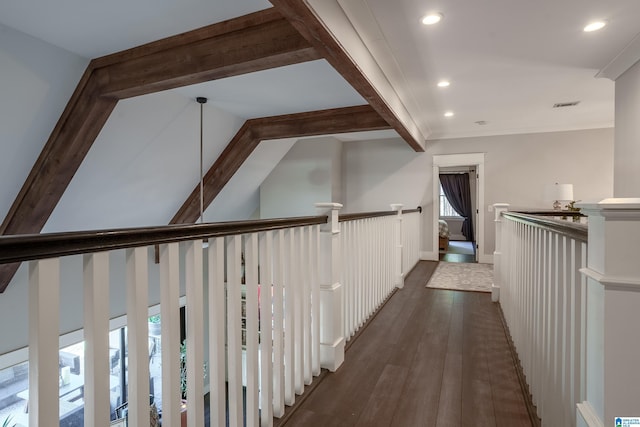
(201, 101)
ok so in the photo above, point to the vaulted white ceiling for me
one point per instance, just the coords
(508, 61)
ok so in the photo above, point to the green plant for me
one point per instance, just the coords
(154, 319)
(183, 369)
(570, 207)
(7, 422)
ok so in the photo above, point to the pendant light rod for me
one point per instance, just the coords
(201, 100)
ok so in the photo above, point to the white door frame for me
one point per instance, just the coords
(469, 159)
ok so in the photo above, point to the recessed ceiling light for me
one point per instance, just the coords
(448, 114)
(431, 18)
(594, 26)
(443, 83)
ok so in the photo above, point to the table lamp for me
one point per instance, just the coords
(559, 193)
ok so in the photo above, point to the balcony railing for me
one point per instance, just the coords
(567, 292)
(270, 298)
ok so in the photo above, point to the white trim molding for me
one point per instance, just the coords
(624, 60)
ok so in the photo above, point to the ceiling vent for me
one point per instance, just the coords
(566, 104)
(481, 122)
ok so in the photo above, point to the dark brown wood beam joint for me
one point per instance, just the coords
(300, 15)
(265, 45)
(324, 122)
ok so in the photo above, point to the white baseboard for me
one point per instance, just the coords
(435, 256)
(429, 256)
(587, 416)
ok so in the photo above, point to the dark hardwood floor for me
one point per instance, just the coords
(429, 358)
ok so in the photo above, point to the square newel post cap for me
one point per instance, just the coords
(498, 208)
(628, 207)
(396, 207)
(328, 206)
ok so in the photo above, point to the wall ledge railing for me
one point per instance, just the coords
(285, 273)
(568, 293)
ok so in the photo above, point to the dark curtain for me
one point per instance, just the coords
(456, 189)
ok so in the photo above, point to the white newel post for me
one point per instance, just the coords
(612, 306)
(331, 311)
(497, 253)
(399, 274)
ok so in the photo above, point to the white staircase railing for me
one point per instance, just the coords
(381, 250)
(569, 299)
(266, 296)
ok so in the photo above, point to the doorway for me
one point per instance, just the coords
(472, 163)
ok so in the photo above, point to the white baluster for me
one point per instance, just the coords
(298, 325)
(170, 330)
(96, 339)
(194, 270)
(306, 303)
(251, 304)
(217, 343)
(267, 382)
(315, 299)
(138, 335)
(289, 324)
(234, 337)
(278, 324)
(44, 324)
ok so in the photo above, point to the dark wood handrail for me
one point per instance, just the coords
(573, 230)
(29, 247)
(364, 215)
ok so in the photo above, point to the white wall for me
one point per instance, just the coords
(517, 168)
(381, 172)
(36, 81)
(627, 135)
(309, 173)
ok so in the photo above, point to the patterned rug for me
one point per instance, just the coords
(462, 277)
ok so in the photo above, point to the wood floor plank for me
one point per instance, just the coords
(431, 357)
(477, 403)
(450, 404)
(383, 401)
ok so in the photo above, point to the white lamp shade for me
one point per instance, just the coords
(560, 192)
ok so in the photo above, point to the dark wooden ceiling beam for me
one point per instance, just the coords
(265, 40)
(255, 42)
(300, 15)
(61, 156)
(323, 122)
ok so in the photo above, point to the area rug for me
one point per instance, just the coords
(461, 276)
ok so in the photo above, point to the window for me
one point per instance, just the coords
(445, 207)
(14, 380)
